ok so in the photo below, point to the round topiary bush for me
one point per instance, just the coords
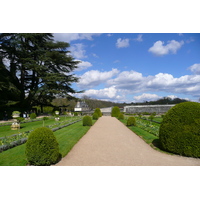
(42, 147)
(180, 129)
(121, 116)
(87, 121)
(131, 121)
(98, 111)
(33, 115)
(95, 116)
(115, 111)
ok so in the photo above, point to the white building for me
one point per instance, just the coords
(81, 106)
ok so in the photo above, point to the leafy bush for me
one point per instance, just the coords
(98, 111)
(95, 116)
(180, 129)
(131, 121)
(115, 111)
(121, 116)
(20, 119)
(87, 121)
(42, 147)
(33, 115)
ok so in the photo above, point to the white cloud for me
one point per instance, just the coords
(93, 78)
(83, 65)
(95, 55)
(68, 37)
(127, 80)
(106, 93)
(159, 49)
(133, 82)
(195, 68)
(77, 51)
(139, 38)
(146, 97)
(122, 43)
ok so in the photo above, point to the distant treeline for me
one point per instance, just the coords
(162, 101)
(95, 103)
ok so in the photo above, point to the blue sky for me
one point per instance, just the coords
(136, 67)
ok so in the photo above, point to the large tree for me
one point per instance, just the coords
(35, 69)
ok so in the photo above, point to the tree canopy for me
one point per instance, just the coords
(34, 69)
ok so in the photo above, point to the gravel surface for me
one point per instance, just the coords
(111, 143)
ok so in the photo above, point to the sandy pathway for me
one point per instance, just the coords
(110, 143)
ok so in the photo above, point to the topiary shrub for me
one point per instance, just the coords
(33, 115)
(115, 111)
(87, 121)
(131, 121)
(42, 147)
(95, 116)
(121, 116)
(98, 111)
(180, 129)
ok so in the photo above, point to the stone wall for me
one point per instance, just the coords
(159, 109)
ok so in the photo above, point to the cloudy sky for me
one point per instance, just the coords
(136, 67)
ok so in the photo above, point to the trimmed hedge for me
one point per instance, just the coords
(180, 129)
(95, 116)
(121, 116)
(42, 148)
(131, 121)
(98, 111)
(87, 121)
(115, 111)
(33, 116)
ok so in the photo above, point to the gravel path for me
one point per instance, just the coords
(110, 143)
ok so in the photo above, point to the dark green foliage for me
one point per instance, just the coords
(131, 121)
(121, 116)
(38, 70)
(180, 129)
(42, 147)
(87, 121)
(98, 111)
(115, 111)
(33, 115)
(95, 116)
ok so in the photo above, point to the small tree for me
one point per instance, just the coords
(115, 111)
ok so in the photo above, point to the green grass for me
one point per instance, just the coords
(158, 119)
(6, 130)
(146, 136)
(66, 137)
(149, 138)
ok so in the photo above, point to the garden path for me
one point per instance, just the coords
(111, 143)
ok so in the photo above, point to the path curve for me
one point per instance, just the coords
(111, 143)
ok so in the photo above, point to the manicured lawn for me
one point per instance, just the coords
(158, 119)
(6, 130)
(146, 136)
(66, 137)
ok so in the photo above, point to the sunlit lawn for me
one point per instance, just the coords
(66, 137)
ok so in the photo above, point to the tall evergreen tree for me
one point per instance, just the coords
(37, 69)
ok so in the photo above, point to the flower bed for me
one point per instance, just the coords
(148, 126)
(18, 139)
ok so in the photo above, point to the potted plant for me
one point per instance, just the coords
(57, 115)
(15, 114)
(57, 112)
